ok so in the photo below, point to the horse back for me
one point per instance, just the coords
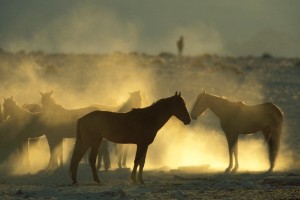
(115, 127)
(266, 113)
(274, 111)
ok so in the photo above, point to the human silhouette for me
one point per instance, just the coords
(180, 45)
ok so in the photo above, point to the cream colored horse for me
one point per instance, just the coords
(237, 118)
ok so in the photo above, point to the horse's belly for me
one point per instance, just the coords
(120, 134)
(244, 126)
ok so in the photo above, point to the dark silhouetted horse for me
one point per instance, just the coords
(237, 118)
(18, 126)
(138, 126)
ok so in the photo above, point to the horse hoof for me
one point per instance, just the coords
(97, 181)
(74, 183)
(227, 170)
(234, 171)
(269, 171)
(142, 182)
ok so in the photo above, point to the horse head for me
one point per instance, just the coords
(46, 98)
(8, 105)
(135, 98)
(200, 106)
(179, 109)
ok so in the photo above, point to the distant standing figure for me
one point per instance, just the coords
(180, 45)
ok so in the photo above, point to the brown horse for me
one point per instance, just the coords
(237, 118)
(138, 126)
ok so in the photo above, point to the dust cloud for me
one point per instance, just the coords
(79, 80)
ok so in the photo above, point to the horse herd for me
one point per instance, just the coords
(51, 120)
(95, 125)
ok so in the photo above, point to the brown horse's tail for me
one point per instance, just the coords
(76, 157)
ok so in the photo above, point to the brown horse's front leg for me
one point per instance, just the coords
(139, 160)
(235, 153)
(92, 160)
(133, 173)
(142, 163)
(230, 150)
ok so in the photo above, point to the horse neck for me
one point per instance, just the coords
(160, 113)
(53, 107)
(17, 112)
(216, 105)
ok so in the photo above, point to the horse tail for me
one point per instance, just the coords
(76, 157)
(275, 137)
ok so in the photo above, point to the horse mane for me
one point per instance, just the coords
(226, 99)
(154, 105)
(52, 103)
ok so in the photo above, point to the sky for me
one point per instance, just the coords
(231, 27)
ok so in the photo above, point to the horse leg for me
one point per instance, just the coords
(78, 152)
(230, 150)
(235, 153)
(92, 160)
(100, 155)
(61, 153)
(125, 152)
(106, 157)
(141, 150)
(120, 153)
(56, 155)
(142, 163)
(51, 159)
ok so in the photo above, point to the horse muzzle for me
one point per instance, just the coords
(188, 122)
(194, 117)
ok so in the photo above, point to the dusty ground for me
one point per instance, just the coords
(173, 184)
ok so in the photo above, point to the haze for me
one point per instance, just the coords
(224, 27)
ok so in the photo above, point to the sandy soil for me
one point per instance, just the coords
(172, 184)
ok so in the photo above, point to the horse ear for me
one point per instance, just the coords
(179, 94)
(176, 93)
(204, 92)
